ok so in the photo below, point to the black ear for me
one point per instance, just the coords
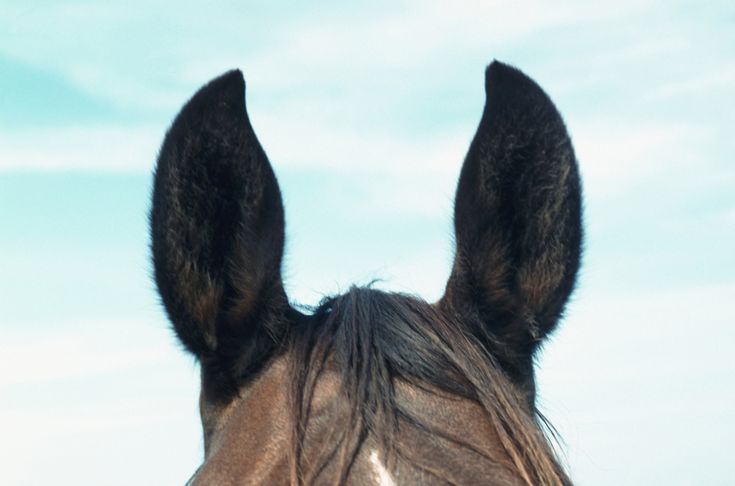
(517, 218)
(217, 231)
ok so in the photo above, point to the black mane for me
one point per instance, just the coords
(373, 339)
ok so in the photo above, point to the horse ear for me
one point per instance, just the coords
(217, 230)
(517, 216)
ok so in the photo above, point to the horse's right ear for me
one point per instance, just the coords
(517, 221)
(217, 231)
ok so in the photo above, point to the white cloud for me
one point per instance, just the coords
(126, 54)
(617, 156)
(288, 144)
(102, 147)
(626, 373)
(52, 352)
(338, 48)
(726, 217)
(620, 360)
(79, 395)
(697, 83)
(291, 139)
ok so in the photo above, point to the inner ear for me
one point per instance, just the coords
(217, 230)
(517, 220)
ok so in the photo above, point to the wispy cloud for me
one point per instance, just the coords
(72, 350)
(616, 157)
(77, 396)
(316, 77)
(96, 147)
(366, 112)
(708, 84)
(344, 42)
(656, 368)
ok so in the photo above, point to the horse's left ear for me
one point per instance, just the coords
(517, 220)
(217, 230)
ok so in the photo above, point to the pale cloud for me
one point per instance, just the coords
(101, 147)
(122, 53)
(616, 376)
(335, 47)
(79, 395)
(699, 83)
(68, 350)
(320, 142)
(123, 148)
(726, 217)
(656, 373)
(616, 157)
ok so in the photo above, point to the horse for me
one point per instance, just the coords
(369, 387)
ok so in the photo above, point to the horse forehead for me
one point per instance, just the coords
(253, 440)
(254, 432)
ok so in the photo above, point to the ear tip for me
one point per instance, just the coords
(228, 86)
(497, 67)
(501, 77)
(232, 78)
(498, 71)
(227, 89)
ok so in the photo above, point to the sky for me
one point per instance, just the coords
(366, 111)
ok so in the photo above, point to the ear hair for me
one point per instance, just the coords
(217, 230)
(517, 218)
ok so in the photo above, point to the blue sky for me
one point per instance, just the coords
(366, 112)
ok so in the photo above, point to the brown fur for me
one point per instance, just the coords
(251, 442)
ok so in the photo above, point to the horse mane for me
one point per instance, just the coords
(375, 339)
